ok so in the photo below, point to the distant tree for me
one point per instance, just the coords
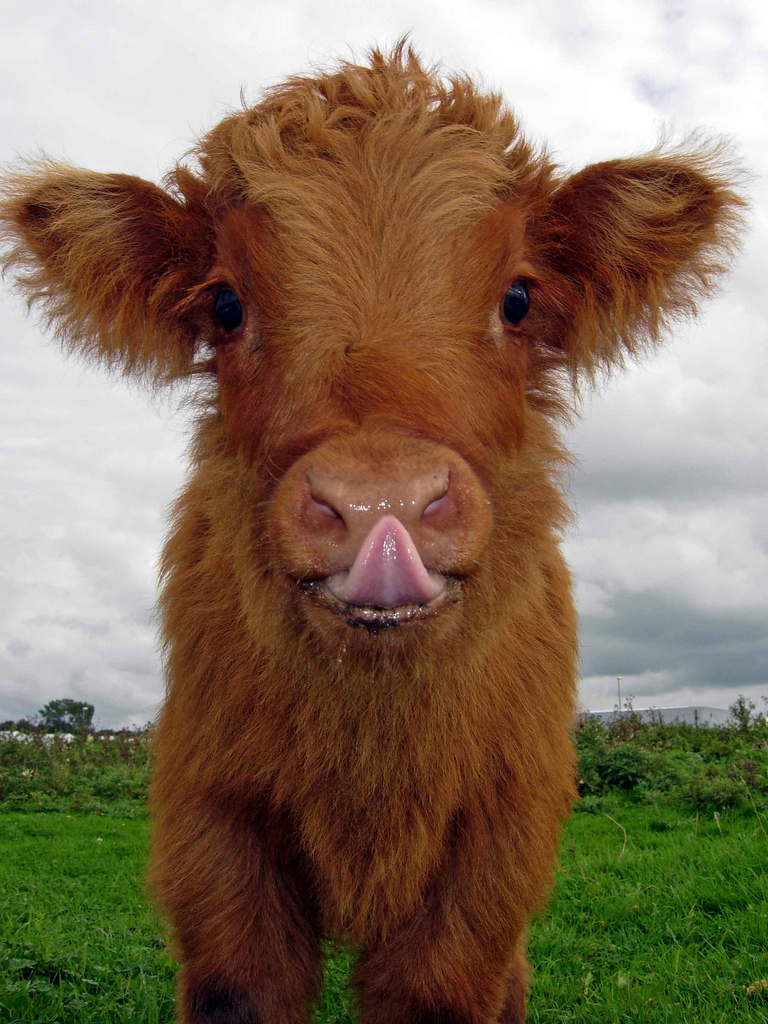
(67, 716)
(741, 711)
(30, 723)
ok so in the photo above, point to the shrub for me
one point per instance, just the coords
(624, 766)
(45, 772)
(712, 788)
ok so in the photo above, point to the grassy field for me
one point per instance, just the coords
(660, 912)
(671, 927)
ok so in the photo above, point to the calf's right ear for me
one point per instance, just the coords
(109, 257)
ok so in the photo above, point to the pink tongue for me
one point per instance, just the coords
(388, 571)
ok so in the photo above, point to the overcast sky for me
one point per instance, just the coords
(671, 549)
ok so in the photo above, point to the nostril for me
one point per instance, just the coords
(434, 507)
(356, 501)
(323, 503)
(324, 509)
(434, 495)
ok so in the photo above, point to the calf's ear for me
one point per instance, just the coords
(636, 244)
(109, 256)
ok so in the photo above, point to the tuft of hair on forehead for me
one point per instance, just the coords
(377, 112)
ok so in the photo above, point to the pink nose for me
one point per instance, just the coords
(383, 538)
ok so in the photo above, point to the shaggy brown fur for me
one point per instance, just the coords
(396, 779)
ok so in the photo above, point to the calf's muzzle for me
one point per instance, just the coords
(371, 527)
(383, 526)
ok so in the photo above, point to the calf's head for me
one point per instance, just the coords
(387, 296)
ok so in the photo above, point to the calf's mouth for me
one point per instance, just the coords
(374, 618)
(388, 584)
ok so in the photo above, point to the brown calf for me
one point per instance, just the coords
(387, 296)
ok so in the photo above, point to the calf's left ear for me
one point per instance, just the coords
(109, 256)
(635, 244)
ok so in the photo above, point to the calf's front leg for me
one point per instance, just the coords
(459, 959)
(432, 973)
(237, 890)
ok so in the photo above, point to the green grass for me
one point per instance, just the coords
(672, 927)
(660, 912)
(77, 939)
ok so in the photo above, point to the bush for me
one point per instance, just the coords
(596, 805)
(742, 711)
(698, 766)
(126, 781)
(666, 770)
(47, 772)
(623, 766)
(651, 763)
(711, 788)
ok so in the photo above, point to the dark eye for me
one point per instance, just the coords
(515, 303)
(227, 309)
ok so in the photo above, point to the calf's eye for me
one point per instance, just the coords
(227, 309)
(515, 303)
